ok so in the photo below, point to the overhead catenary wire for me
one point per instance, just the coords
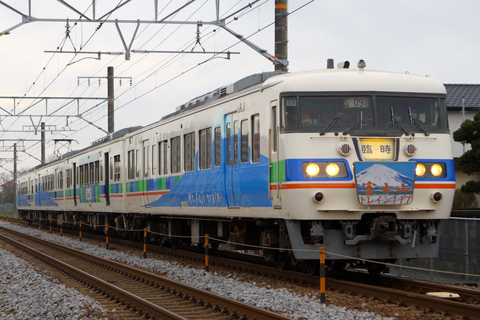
(163, 64)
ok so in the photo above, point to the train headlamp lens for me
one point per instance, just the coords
(436, 170)
(332, 169)
(312, 169)
(420, 169)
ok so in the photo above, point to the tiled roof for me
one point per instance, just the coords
(455, 93)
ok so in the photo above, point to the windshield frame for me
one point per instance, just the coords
(363, 129)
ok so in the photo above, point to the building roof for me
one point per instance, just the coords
(455, 93)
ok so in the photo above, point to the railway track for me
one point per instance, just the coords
(146, 294)
(385, 288)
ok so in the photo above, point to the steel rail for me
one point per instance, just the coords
(146, 277)
(117, 292)
(379, 291)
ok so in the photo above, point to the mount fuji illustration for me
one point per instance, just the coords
(380, 174)
(381, 184)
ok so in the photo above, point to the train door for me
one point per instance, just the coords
(145, 171)
(274, 159)
(231, 156)
(74, 184)
(107, 178)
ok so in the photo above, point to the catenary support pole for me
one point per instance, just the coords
(281, 34)
(111, 99)
(42, 142)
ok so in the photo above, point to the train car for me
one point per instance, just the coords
(353, 160)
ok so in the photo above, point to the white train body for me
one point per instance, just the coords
(250, 163)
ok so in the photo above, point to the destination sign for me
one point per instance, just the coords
(377, 149)
(356, 102)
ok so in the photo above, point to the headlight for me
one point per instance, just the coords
(332, 169)
(431, 170)
(312, 169)
(420, 169)
(436, 169)
(325, 169)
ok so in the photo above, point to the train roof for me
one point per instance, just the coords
(357, 80)
(326, 80)
(218, 93)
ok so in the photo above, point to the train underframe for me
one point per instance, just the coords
(284, 243)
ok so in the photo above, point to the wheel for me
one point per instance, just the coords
(311, 267)
(282, 261)
(375, 269)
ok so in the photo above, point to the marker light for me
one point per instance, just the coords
(312, 169)
(420, 169)
(436, 170)
(332, 169)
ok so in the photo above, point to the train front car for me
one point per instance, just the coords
(365, 165)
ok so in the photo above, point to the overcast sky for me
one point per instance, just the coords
(438, 38)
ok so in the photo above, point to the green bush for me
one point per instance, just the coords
(464, 200)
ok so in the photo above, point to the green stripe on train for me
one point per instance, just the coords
(281, 171)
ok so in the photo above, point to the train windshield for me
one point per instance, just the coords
(363, 114)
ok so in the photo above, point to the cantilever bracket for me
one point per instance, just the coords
(263, 52)
(91, 123)
(129, 48)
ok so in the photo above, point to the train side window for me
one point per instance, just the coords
(131, 164)
(229, 143)
(244, 141)
(137, 165)
(205, 161)
(69, 178)
(154, 159)
(175, 155)
(290, 112)
(146, 158)
(116, 168)
(83, 171)
(111, 170)
(218, 146)
(96, 173)
(60, 180)
(91, 172)
(189, 151)
(235, 142)
(162, 157)
(255, 138)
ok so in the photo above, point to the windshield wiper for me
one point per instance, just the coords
(414, 121)
(397, 123)
(330, 125)
(359, 123)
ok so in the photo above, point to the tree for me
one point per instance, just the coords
(469, 132)
(7, 194)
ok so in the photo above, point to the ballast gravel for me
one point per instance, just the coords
(25, 293)
(15, 302)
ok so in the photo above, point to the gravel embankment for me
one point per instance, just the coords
(25, 293)
(290, 303)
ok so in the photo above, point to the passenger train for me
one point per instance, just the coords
(354, 160)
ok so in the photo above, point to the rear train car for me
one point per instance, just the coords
(353, 160)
